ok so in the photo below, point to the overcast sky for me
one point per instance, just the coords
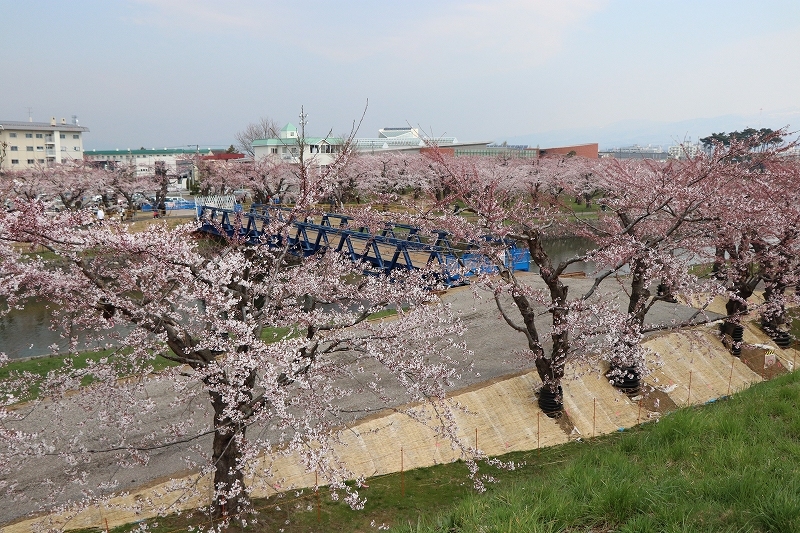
(180, 72)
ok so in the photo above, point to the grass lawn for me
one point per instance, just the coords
(730, 466)
(37, 368)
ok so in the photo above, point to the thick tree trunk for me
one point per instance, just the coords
(743, 283)
(640, 293)
(551, 370)
(737, 307)
(773, 293)
(230, 498)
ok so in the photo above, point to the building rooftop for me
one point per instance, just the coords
(295, 140)
(152, 151)
(40, 126)
(398, 132)
(386, 143)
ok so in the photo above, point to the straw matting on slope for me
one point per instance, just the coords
(718, 303)
(697, 367)
(753, 334)
(504, 413)
(595, 407)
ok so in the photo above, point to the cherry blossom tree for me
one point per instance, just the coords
(654, 225)
(755, 235)
(265, 128)
(3, 148)
(277, 346)
(128, 185)
(661, 219)
(380, 177)
(778, 245)
(265, 178)
(517, 200)
(68, 183)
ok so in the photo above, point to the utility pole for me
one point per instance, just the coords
(303, 122)
(301, 141)
(193, 174)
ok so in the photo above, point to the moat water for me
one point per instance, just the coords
(26, 332)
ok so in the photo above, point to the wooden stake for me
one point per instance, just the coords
(538, 432)
(689, 398)
(402, 475)
(594, 416)
(106, 519)
(639, 415)
(316, 490)
(476, 441)
(730, 377)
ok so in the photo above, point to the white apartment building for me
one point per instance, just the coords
(178, 162)
(28, 144)
(322, 150)
(683, 151)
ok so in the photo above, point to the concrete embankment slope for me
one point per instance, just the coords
(502, 415)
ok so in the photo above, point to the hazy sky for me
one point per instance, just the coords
(179, 72)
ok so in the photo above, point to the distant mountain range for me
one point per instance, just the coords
(664, 134)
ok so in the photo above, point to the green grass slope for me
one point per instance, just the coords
(730, 466)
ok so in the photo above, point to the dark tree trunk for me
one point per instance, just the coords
(737, 307)
(640, 293)
(554, 370)
(551, 370)
(743, 282)
(774, 317)
(260, 197)
(637, 310)
(230, 498)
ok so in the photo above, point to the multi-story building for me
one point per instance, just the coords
(286, 146)
(323, 150)
(636, 152)
(407, 139)
(177, 162)
(684, 151)
(28, 144)
(404, 138)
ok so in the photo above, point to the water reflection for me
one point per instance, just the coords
(26, 332)
(567, 248)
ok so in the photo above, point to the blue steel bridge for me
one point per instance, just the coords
(396, 246)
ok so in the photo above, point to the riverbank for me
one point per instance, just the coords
(696, 368)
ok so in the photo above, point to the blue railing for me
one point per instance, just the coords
(396, 246)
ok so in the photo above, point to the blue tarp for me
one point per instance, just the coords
(172, 205)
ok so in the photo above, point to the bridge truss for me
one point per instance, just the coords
(396, 246)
